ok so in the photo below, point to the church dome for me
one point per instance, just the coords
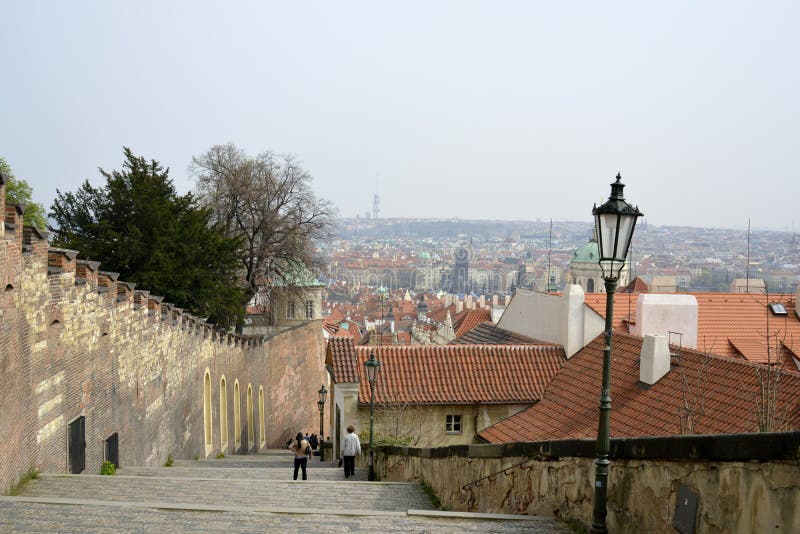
(588, 253)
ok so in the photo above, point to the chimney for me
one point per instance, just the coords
(654, 359)
(497, 312)
(659, 314)
(797, 302)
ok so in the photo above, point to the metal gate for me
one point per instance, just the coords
(77, 445)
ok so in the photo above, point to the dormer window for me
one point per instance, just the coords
(777, 308)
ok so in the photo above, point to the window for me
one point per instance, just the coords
(290, 311)
(309, 309)
(453, 424)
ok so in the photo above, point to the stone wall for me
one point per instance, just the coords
(77, 342)
(743, 483)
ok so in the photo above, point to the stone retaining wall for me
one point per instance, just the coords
(744, 483)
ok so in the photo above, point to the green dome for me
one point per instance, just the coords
(588, 253)
(424, 255)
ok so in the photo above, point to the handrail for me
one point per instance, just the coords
(507, 471)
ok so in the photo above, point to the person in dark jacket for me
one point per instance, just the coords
(313, 441)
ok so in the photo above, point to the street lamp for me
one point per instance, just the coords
(372, 366)
(614, 224)
(323, 393)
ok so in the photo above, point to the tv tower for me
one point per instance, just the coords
(376, 202)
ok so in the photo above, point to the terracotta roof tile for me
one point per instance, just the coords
(340, 356)
(453, 374)
(446, 374)
(469, 319)
(569, 408)
(729, 324)
(489, 333)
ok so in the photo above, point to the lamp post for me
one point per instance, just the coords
(323, 393)
(372, 366)
(614, 224)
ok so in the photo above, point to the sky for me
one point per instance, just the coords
(476, 110)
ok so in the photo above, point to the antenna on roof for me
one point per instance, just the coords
(676, 355)
(747, 269)
(549, 252)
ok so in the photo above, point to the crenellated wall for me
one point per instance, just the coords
(77, 341)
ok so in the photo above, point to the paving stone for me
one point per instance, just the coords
(249, 493)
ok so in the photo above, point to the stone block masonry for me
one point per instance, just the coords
(77, 342)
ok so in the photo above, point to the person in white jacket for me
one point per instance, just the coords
(351, 446)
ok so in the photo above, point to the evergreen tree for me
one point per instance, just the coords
(19, 192)
(137, 225)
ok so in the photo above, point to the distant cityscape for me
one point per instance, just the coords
(500, 256)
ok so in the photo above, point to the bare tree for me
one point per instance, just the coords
(268, 201)
(401, 421)
(770, 413)
(693, 394)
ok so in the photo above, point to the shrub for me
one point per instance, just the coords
(108, 468)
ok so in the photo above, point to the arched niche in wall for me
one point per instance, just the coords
(223, 415)
(207, 412)
(237, 420)
(251, 434)
(262, 431)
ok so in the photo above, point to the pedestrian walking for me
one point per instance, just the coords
(351, 446)
(314, 441)
(301, 449)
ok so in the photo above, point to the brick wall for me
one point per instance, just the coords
(76, 341)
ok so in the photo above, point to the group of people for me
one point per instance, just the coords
(303, 447)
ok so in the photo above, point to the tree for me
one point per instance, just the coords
(19, 192)
(267, 202)
(137, 225)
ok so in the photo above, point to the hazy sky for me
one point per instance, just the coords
(514, 110)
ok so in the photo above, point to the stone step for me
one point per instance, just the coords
(226, 471)
(380, 496)
(250, 462)
(67, 517)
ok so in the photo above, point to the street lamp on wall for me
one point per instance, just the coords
(372, 366)
(323, 393)
(614, 223)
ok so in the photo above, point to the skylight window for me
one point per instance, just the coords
(777, 308)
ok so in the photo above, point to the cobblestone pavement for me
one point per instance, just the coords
(252, 493)
(28, 518)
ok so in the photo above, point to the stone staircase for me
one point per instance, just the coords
(252, 493)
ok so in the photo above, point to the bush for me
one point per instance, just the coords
(108, 468)
(170, 461)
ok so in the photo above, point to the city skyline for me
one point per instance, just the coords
(458, 110)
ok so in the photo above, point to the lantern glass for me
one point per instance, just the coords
(372, 365)
(615, 221)
(323, 394)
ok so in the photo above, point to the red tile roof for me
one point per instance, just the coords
(725, 389)
(729, 324)
(637, 285)
(469, 319)
(455, 374)
(340, 355)
(489, 333)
